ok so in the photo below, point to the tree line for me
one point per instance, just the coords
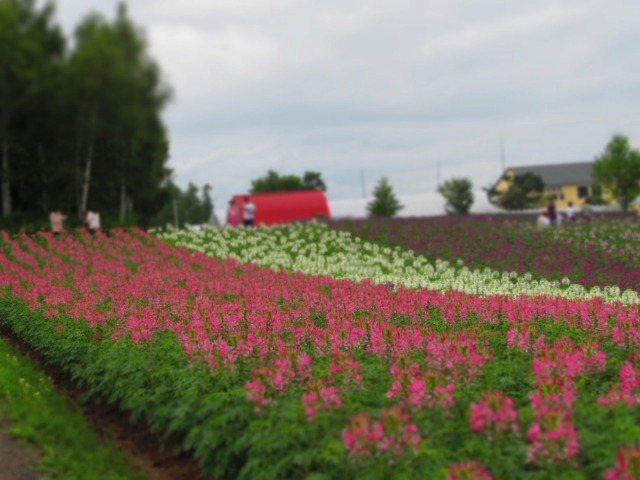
(617, 168)
(80, 121)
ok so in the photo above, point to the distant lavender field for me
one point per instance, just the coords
(605, 252)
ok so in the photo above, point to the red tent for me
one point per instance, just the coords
(285, 207)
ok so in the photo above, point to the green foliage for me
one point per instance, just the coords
(207, 410)
(597, 195)
(116, 96)
(384, 203)
(274, 182)
(44, 419)
(31, 52)
(187, 208)
(458, 194)
(80, 126)
(618, 168)
(524, 191)
(314, 181)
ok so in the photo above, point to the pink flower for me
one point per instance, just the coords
(470, 470)
(628, 388)
(321, 398)
(496, 412)
(393, 434)
(628, 467)
(554, 438)
(356, 435)
(417, 389)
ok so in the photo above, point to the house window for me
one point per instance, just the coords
(583, 191)
(556, 193)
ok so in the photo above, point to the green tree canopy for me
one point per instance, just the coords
(118, 95)
(31, 48)
(384, 203)
(274, 182)
(618, 168)
(458, 194)
(79, 126)
(314, 181)
(524, 191)
(186, 208)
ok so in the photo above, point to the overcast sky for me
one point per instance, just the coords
(409, 90)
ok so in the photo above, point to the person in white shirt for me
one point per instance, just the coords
(93, 221)
(571, 212)
(249, 214)
(57, 219)
(543, 220)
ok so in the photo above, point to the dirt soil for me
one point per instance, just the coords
(17, 461)
(158, 460)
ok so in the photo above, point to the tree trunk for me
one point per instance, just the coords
(77, 166)
(5, 109)
(45, 181)
(175, 213)
(87, 168)
(624, 203)
(123, 203)
(6, 185)
(87, 180)
(4, 151)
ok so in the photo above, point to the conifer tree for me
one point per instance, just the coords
(458, 194)
(384, 203)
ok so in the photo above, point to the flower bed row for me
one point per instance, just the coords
(268, 374)
(316, 249)
(619, 240)
(595, 254)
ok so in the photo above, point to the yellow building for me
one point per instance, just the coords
(565, 182)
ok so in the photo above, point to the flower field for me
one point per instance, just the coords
(376, 362)
(592, 254)
(317, 249)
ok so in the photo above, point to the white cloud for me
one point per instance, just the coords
(222, 156)
(393, 88)
(216, 7)
(478, 36)
(201, 62)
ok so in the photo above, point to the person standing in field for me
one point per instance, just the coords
(249, 213)
(93, 221)
(543, 220)
(57, 219)
(587, 210)
(552, 213)
(233, 214)
(571, 212)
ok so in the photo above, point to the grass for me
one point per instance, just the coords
(70, 448)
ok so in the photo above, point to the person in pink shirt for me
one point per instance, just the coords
(233, 217)
(57, 219)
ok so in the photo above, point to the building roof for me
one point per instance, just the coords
(556, 175)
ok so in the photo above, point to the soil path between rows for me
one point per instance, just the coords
(17, 461)
(157, 460)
